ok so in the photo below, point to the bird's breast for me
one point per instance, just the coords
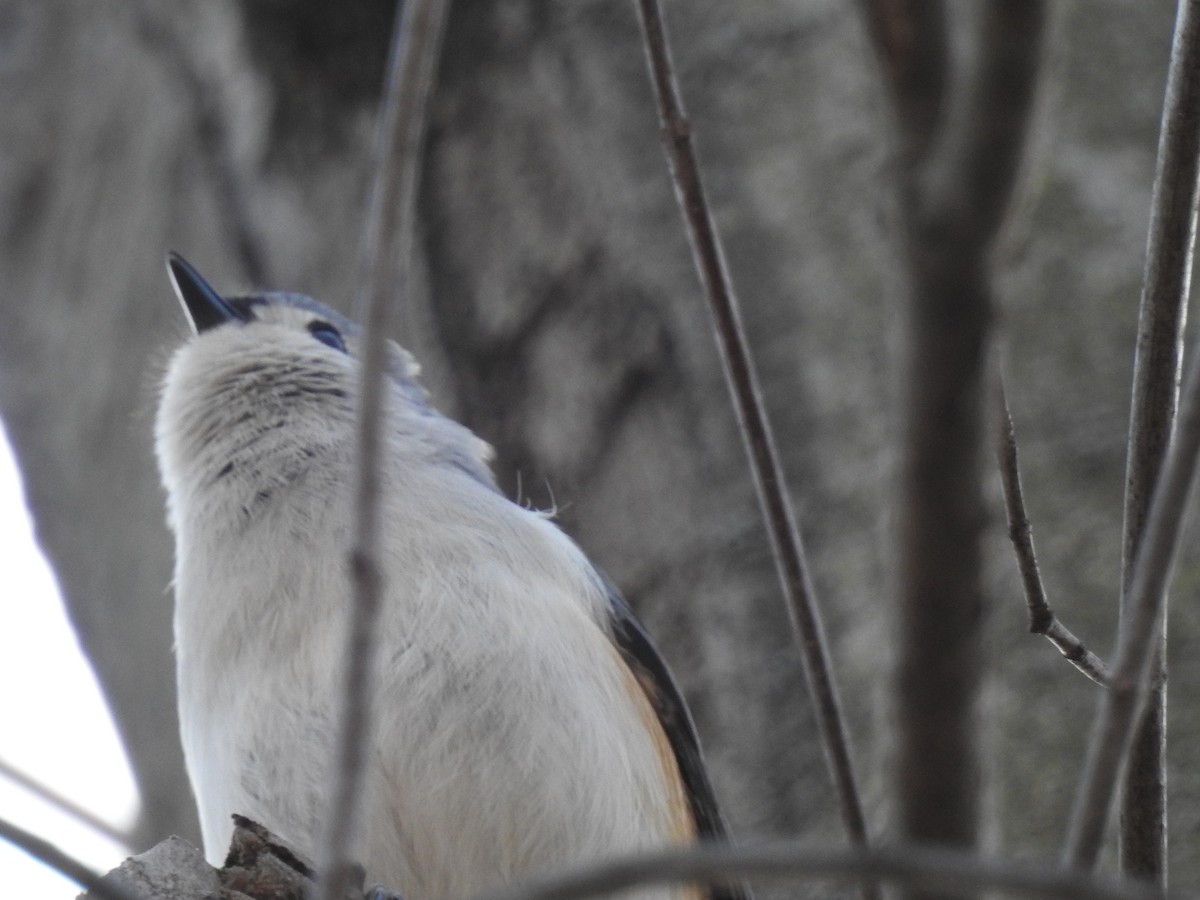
(508, 738)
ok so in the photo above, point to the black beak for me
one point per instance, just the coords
(205, 308)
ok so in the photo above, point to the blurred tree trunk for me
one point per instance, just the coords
(559, 316)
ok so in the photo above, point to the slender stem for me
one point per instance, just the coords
(1160, 470)
(45, 852)
(64, 804)
(752, 414)
(1152, 567)
(1042, 619)
(416, 43)
(913, 866)
(1155, 394)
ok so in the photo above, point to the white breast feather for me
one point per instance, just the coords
(505, 740)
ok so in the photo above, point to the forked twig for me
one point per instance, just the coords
(912, 866)
(1143, 837)
(58, 860)
(755, 426)
(1109, 743)
(1156, 492)
(1042, 619)
(416, 42)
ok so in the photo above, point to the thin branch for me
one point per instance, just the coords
(1112, 734)
(1042, 619)
(1153, 518)
(63, 863)
(64, 804)
(1155, 394)
(755, 426)
(416, 44)
(1167, 277)
(919, 867)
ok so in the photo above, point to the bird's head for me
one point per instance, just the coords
(264, 393)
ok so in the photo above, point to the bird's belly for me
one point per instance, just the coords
(266, 754)
(508, 773)
(497, 752)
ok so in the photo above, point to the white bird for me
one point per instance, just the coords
(523, 723)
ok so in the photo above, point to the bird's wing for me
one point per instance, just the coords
(652, 675)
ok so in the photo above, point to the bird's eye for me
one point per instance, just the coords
(327, 335)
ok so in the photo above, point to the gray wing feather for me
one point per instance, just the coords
(651, 672)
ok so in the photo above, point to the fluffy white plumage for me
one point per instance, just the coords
(509, 736)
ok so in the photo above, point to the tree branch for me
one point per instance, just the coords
(970, 179)
(1155, 394)
(954, 196)
(1042, 619)
(416, 43)
(1159, 473)
(64, 804)
(1152, 568)
(1112, 734)
(912, 866)
(752, 415)
(45, 852)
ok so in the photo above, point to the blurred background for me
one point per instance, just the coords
(556, 311)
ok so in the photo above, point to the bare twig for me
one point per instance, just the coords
(64, 804)
(1042, 619)
(1155, 393)
(45, 852)
(756, 429)
(416, 43)
(1160, 470)
(1152, 568)
(919, 867)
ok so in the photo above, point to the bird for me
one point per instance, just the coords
(523, 722)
